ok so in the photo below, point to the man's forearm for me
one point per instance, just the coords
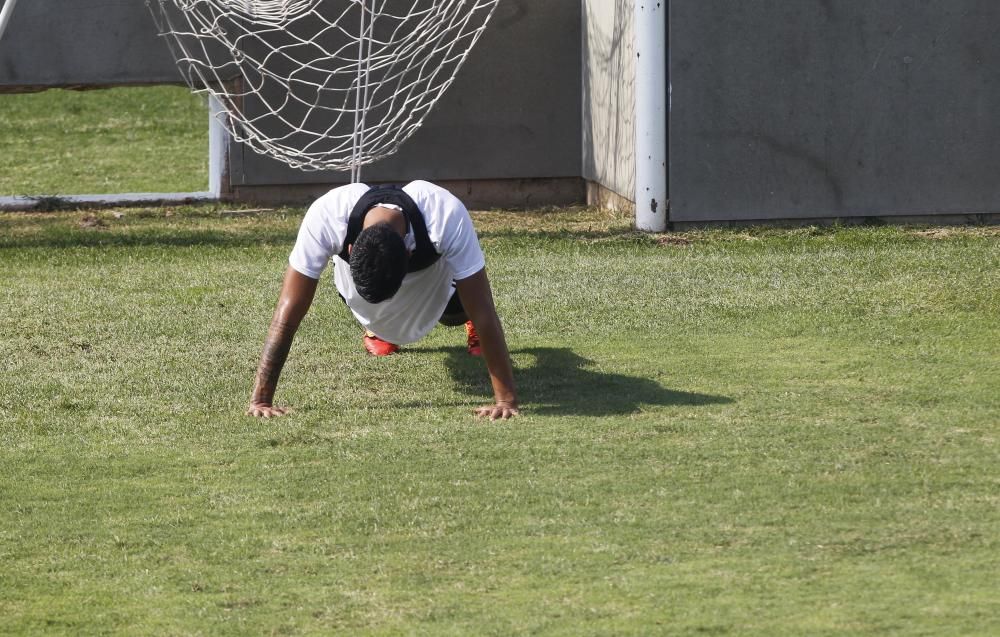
(296, 296)
(498, 363)
(272, 360)
(477, 298)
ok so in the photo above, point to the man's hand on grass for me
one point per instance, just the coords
(261, 410)
(499, 411)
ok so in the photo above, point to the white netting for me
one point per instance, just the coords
(322, 84)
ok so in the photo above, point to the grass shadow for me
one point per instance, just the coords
(562, 383)
(186, 226)
(152, 240)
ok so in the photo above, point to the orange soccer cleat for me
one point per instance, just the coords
(472, 339)
(378, 347)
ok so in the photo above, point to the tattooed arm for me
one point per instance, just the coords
(297, 293)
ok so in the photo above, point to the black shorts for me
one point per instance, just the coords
(454, 305)
(454, 313)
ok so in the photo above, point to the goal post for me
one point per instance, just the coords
(651, 111)
(5, 13)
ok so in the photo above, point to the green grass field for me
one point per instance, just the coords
(766, 432)
(149, 139)
(762, 432)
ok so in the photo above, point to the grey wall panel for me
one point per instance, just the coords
(83, 43)
(609, 95)
(512, 112)
(830, 108)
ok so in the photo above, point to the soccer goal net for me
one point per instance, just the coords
(322, 84)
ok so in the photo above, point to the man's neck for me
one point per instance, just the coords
(394, 218)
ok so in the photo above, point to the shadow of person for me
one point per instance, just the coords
(560, 382)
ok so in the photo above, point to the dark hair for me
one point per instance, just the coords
(378, 262)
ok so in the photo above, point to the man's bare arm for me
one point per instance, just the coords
(477, 299)
(296, 297)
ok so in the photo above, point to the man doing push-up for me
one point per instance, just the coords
(404, 259)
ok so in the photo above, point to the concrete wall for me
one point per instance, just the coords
(51, 43)
(833, 108)
(608, 98)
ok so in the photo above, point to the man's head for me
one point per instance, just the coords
(379, 262)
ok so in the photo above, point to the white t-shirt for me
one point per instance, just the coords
(415, 309)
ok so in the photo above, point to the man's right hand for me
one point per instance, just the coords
(259, 410)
